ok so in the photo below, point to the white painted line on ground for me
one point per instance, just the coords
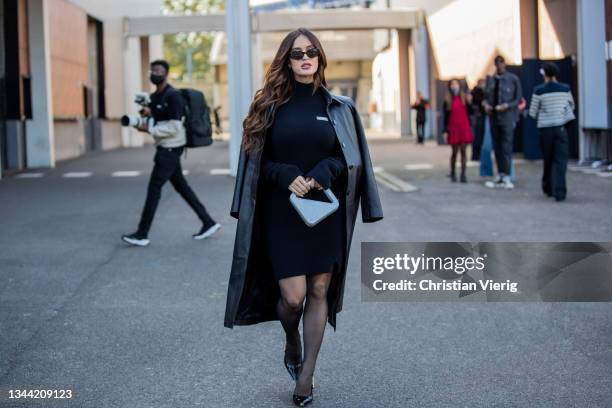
(386, 183)
(217, 172)
(472, 164)
(419, 166)
(393, 182)
(126, 173)
(77, 174)
(590, 171)
(382, 180)
(29, 175)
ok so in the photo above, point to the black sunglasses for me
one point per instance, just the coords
(299, 54)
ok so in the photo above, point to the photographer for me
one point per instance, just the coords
(167, 109)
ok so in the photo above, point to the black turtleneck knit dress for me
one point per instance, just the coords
(302, 141)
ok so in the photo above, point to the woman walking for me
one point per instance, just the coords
(457, 129)
(298, 138)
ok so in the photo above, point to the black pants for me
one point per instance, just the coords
(554, 145)
(503, 137)
(420, 128)
(478, 122)
(168, 167)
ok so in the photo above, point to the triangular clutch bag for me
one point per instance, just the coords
(314, 211)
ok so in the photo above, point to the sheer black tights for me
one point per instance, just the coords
(294, 291)
(462, 149)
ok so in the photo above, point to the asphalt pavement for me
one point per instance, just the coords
(143, 327)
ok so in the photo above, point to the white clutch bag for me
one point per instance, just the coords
(314, 211)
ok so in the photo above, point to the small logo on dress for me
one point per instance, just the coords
(322, 118)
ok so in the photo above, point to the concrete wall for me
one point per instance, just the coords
(69, 138)
(480, 30)
(385, 87)
(2, 74)
(40, 136)
(69, 65)
(557, 28)
(111, 129)
(608, 6)
(24, 61)
(123, 74)
(2, 57)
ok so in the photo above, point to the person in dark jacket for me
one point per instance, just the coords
(552, 105)
(421, 105)
(217, 116)
(503, 94)
(457, 130)
(477, 118)
(298, 138)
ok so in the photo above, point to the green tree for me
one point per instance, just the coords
(189, 51)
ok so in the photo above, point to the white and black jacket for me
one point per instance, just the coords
(552, 104)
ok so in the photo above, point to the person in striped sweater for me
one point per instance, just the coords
(552, 106)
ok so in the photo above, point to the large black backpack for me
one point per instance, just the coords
(197, 118)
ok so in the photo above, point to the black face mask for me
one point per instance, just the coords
(156, 79)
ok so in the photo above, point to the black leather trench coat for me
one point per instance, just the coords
(252, 291)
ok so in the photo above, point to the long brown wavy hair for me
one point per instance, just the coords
(277, 89)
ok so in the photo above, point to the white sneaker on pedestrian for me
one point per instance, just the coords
(494, 183)
(507, 183)
(206, 232)
(136, 239)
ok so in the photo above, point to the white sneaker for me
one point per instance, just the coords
(494, 184)
(507, 183)
(207, 232)
(136, 239)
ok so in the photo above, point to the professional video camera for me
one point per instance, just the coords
(142, 99)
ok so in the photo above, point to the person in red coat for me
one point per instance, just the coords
(457, 130)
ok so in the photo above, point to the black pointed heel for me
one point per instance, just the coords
(293, 369)
(303, 400)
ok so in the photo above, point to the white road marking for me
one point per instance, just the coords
(29, 175)
(126, 173)
(217, 172)
(419, 166)
(590, 171)
(78, 174)
(393, 182)
(386, 183)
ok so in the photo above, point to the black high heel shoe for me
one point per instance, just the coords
(303, 400)
(293, 369)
